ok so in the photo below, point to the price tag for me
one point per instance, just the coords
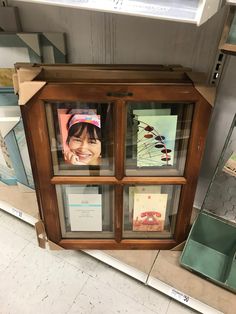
(175, 294)
(16, 212)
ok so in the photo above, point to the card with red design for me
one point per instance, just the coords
(149, 212)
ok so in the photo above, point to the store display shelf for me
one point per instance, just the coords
(117, 264)
(145, 275)
(194, 11)
(19, 201)
(18, 213)
(152, 281)
(181, 297)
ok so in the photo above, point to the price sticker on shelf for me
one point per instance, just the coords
(181, 297)
(16, 212)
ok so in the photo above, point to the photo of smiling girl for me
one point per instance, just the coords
(82, 145)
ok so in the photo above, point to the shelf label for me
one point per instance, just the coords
(16, 212)
(175, 294)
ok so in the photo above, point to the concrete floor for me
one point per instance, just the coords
(34, 280)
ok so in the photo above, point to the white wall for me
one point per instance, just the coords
(96, 37)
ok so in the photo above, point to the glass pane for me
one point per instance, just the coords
(86, 211)
(232, 33)
(221, 195)
(157, 138)
(7, 173)
(23, 149)
(81, 138)
(150, 210)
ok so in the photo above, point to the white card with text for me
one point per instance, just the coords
(85, 212)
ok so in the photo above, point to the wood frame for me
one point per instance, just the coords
(34, 117)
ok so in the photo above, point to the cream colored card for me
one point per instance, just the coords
(85, 211)
(139, 189)
(149, 212)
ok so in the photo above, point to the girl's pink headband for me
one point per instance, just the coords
(80, 118)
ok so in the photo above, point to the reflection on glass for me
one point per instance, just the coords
(232, 33)
(81, 138)
(221, 195)
(86, 211)
(23, 149)
(157, 138)
(7, 173)
(150, 210)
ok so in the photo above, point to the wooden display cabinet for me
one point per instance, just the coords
(115, 153)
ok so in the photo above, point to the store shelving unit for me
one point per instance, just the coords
(194, 11)
(197, 18)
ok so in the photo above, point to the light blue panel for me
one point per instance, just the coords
(12, 40)
(7, 97)
(16, 159)
(7, 173)
(19, 133)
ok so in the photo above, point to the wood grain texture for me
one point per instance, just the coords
(200, 124)
(40, 155)
(37, 136)
(154, 180)
(120, 121)
(139, 244)
(118, 213)
(149, 92)
(83, 180)
(112, 180)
